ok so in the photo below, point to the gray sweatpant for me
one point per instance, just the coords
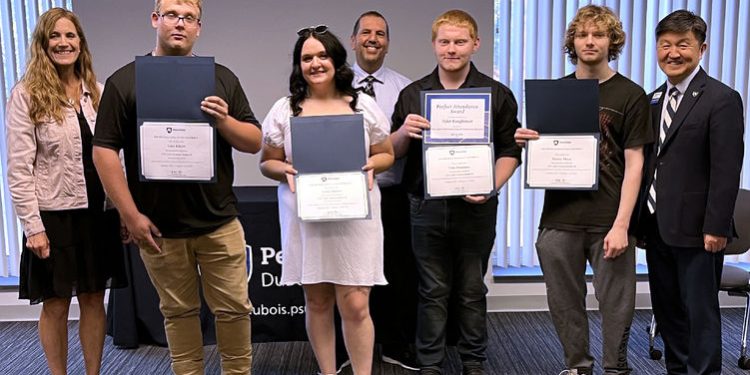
(563, 255)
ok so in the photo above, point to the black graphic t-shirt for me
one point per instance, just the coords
(624, 122)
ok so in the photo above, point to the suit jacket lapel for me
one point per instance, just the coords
(689, 98)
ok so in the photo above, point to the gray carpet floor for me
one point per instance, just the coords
(520, 343)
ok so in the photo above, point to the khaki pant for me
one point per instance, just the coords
(218, 261)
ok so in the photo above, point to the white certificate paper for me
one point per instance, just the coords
(177, 151)
(565, 162)
(457, 119)
(459, 170)
(332, 196)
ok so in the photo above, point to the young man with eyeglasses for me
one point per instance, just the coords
(453, 238)
(393, 306)
(579, 226)
(181, 227)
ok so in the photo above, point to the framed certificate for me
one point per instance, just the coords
(176, 141)
(458, 116)
(329, 152)
(458, 170)
(177, 151)
(332, 196)
(565, 112)
(563, 162)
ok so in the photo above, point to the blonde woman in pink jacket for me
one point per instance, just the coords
(71, 243)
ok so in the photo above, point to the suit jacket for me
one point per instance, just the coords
(699, 164)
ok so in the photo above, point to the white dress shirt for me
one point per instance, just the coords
(387, 85)
(681, 87)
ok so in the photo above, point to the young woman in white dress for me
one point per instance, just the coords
(336, 262)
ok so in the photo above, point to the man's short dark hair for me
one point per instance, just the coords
(682, 21)
(371, 13)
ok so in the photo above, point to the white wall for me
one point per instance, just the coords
(255, 39)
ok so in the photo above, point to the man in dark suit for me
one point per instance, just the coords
(691, 181)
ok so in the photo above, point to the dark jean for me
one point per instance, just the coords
(394, 306)
(452, 240)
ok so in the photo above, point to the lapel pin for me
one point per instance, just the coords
(695, 93)
(655, 98)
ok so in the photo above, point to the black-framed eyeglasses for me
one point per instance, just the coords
(317, 30)
(172, 19)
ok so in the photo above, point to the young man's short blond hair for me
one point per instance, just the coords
(197, 3)
(604, 18)
(455, 17)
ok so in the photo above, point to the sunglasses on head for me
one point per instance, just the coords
(317, 30)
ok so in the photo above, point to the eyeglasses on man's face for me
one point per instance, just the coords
(172, 19)
(317, 30)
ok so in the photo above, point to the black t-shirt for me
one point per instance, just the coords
(504, 121)
(624, 122)
(178, 209)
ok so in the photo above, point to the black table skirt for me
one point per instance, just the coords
(133, 315)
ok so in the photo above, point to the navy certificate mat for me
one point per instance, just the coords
(325, 144)
(171, 88)
(562, 105)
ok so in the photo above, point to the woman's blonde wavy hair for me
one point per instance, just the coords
(41, 80)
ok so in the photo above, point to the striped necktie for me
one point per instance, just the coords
(667, 116)
(368, 88)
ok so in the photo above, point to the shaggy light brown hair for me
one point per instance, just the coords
(605, 19)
